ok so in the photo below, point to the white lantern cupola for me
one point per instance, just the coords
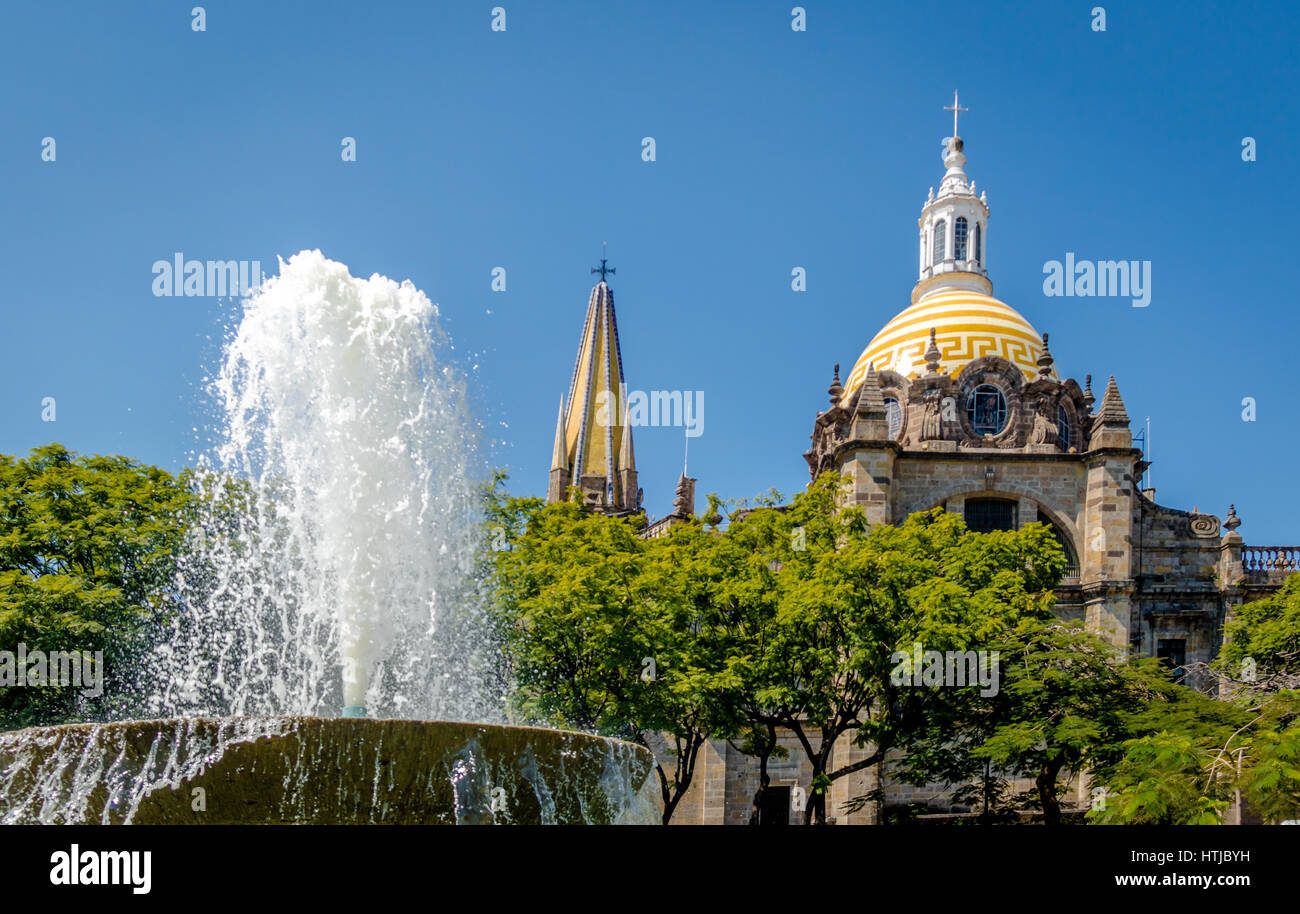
(953, 227)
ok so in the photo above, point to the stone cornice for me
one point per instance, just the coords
(863, 444)
(1096, 590)
(982, 454)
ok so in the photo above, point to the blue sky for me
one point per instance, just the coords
(775, 149)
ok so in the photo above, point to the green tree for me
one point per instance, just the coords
(611, 633)
(1270, 781)
(1163, 779)
(1174, 758)
(747, 601)
(87, 557)
(1258, 668)
(852, 597)
(1061, 697)
(1261, 647)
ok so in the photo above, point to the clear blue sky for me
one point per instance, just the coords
(775, 149)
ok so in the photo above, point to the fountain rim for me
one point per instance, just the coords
(551, 732)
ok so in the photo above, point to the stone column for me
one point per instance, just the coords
(871, 474)
(1106, 565)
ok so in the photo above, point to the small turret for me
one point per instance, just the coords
(1111, 428)
(684, 500)
(561, 478)
(871, 418)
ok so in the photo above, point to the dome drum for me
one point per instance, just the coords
(987, 406)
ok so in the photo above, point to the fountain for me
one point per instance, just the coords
(333, 569)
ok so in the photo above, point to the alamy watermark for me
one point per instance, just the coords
(655, 408)
(1103, 278)
(920, 667)
(58, 669)
(201, 279)
(90, 867)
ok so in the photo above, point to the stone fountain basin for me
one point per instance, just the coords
(313, 770)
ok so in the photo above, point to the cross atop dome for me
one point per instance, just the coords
(954, 108)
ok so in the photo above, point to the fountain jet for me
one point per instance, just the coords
(337, 562)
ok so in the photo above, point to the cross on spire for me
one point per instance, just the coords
(954, 108)
(603, 269)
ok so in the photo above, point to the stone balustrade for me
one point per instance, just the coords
(1270, 558)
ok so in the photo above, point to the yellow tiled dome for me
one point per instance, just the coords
(967, 325)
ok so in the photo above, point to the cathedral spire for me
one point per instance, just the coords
(593, 447)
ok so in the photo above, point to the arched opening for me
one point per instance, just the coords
(940, 241)
(895, 414)
(1071, 557)
(1063, 427)
(986, 410)
(979, 255)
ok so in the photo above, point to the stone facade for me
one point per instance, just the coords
(956, 404)
(1152, 579)
(969, 415)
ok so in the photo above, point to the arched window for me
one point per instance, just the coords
(979, 255)
(1063, 427)
(895, 413)
(940, 241)
(986, 410)
(959, 238)
(1071, 558)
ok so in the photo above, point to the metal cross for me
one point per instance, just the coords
(602, 269)
(954, 108)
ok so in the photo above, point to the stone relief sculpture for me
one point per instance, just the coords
(1044, 431)
(931, 423)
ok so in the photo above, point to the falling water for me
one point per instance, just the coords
(333, 562)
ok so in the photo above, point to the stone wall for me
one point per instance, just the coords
(1181, 593)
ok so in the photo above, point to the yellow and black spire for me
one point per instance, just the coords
(593, 440)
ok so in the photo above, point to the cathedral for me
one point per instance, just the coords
(956, 403)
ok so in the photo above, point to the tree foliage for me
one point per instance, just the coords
(1263, 640)
(87, 558)
(615, 634)
(793, 620)
(790, 618)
